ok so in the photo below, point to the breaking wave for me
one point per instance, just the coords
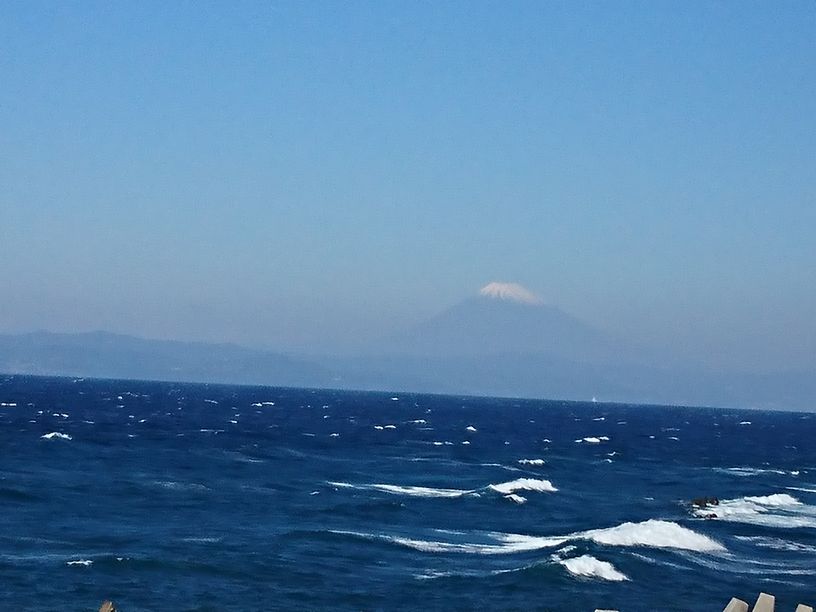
(654, 534)
(404, 490)
(507, 489)
(590, 567)
(778, 510)
(650, 534)
(523, 484)
(56, 435)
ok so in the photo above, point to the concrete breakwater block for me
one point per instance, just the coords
(736, 605)
(764, 603)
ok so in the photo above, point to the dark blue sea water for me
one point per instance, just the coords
(167, 496)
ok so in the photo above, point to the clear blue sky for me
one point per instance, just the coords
(298, 174)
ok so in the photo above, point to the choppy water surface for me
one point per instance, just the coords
(208, 497)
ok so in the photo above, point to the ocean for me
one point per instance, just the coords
(195, 497)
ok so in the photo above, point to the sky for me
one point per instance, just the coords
(304, 175)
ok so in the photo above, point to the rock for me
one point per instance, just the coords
(704, 502)
(107, 606)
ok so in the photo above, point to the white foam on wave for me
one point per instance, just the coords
(531, 461)
(523, 484)
(803, 489)
(593, 439)
(777, 499)
(653, 534)
(470, 428)
(777, 544)
(750, 471)
(82, 562)
(779, 510)
(508, 544)
(56, 435)
(507, 489)
(404, 490)
(590, 567)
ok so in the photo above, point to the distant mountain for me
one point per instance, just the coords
(504, 342)
(106, 355)
(511, 322)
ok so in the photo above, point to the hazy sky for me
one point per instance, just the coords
(300, 174)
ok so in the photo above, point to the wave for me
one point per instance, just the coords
(404, 490)
(531, 461)
(507, 489)
(523, 484)
(593, 439)
(654, 534)
(504, 543)
(82, 562)
(749, 471)
(590, 567)
(777, 544)
(56, 435)
(779, 510)
(650, 534)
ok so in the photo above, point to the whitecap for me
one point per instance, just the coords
(651, 533)
(777, 544)
(523, 484)
(779, 510)
(56, 435)
(509, 544)
(590, 567)
(750, 471)
(516, 498)
(412, 491)
(654, 534)
(82, 562)
(470, 428)
(593, 439)
(531, 461)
